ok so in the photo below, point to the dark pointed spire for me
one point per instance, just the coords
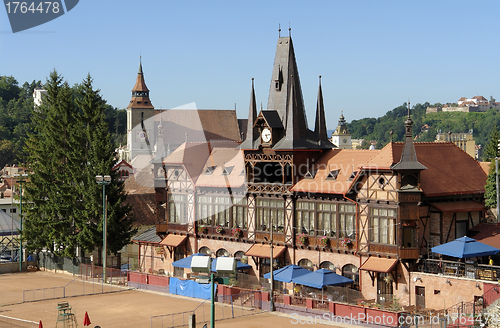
(409, 161)
(320, 124)
(252, 115)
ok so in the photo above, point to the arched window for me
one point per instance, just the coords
(352, 272)
(205, 250)
(221, 252)
(239, 254)
(327, 265)
(306, 264)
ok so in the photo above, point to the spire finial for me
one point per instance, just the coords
(408, 107)
(289, 30)
(391, 133)
(279, 30)
(320, 80)
(261, 105)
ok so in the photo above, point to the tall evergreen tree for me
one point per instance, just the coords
(491, 152)
(69, 147)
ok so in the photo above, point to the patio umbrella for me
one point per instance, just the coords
(288, 273)
(465, 247)
(239, 265)
(86, 319)
(321, 278)
(186, 262)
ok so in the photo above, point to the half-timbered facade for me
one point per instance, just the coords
(366, 214)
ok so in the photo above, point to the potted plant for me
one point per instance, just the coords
(236, 232)
(346, 242)
(219, 229)
(202, 229)
(323, 241)
(302, 239)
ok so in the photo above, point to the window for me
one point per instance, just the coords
(204, 210)
(240, 213)
(221, 252)
(306, 264)
(305, 217)
(205, 250)
(347, 221)
(383, 226)
(327, 219)
(327, 265)
(13, 210)
(177, 208)
(222, 210)
(210, 170)
(332, 175)
(227, 170)
(238, 255)
(351, 271)
(270, 210)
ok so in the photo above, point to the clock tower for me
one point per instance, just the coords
(140, 126)
(341, 137)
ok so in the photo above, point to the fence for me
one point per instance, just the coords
(460, 269)
(90, 281)
(227, 307)
(9, 322)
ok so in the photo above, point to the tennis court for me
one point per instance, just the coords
(124, 309)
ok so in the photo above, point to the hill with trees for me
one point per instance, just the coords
(379, 129)
(16, 113)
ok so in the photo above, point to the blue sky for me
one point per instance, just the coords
(372, 55)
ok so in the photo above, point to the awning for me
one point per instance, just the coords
(173, 240)
(260, 250)
(457, 207)
(378, 264)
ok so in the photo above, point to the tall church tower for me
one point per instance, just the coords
(341, 137)
(140, 125)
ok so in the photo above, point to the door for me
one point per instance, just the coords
(384, 288)
(420, 296)
(178, 254)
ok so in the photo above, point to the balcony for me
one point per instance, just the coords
(409, 253)
(460, 269)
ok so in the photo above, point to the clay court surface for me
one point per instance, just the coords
(128, 308)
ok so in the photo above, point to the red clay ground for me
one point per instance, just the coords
(130, 308)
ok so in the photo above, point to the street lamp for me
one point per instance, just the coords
(271, 273)
(104, 181)
(21, 178)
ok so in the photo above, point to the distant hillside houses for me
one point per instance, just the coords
(474, 104)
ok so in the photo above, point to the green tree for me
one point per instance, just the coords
(70, 145)
(491, 152)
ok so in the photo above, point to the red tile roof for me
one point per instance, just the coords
(449, 169)
(345, 160)
(488, 234)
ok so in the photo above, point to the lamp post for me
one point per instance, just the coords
(271, 272)
(21, 180)
(104, 181)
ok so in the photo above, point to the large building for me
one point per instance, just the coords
(368, 215)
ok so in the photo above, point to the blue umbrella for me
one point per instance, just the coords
(288, 273)
(239, 265)
(465, 247)
(186, 262)
(321, 278)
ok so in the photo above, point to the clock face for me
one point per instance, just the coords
(345, 140)
(266, 135)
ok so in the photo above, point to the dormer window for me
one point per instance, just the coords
(311, 174)
(353, 175)
(332, 175)
(279, 80)
(210, 170)
(227, 170)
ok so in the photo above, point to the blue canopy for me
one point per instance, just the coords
(239, 265)
(186, 262)
(286, 274)
(321, 278)
(465, 247)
